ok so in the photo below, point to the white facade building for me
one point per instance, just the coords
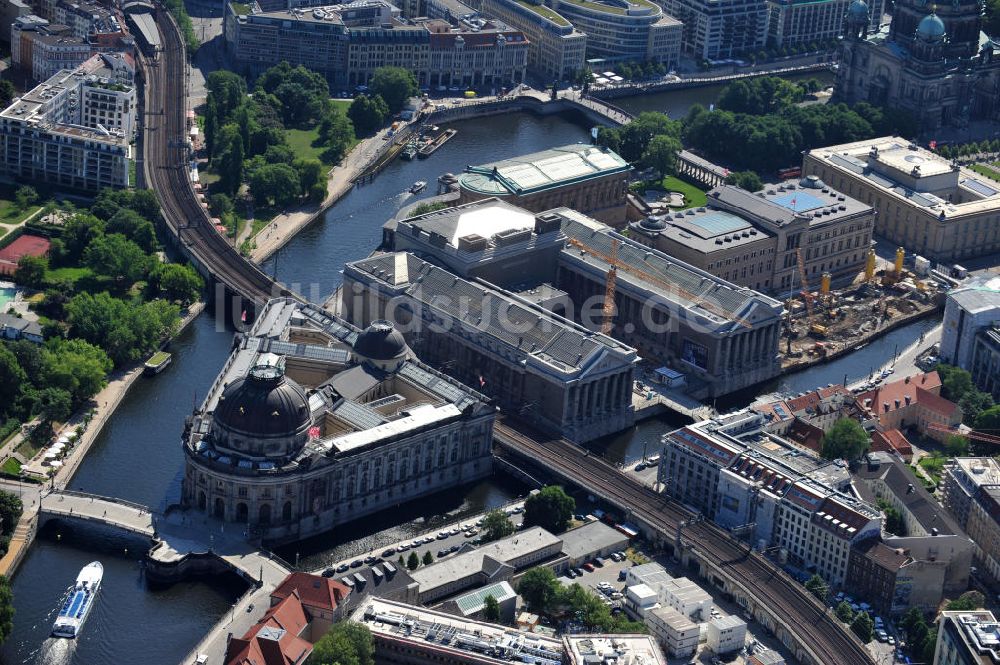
(969, 308)
(726, 634)
(675, 631)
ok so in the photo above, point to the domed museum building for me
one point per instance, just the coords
(313, 423)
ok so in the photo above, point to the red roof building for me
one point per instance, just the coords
(323, 599)
(892, 441)
(275, 639)
(914, 401)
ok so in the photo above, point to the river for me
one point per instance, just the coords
(138, 456)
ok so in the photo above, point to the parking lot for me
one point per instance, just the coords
(442, 543)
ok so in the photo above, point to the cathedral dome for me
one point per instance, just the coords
(931, 28)
(858, 10)
(262, 409)
(382, 345)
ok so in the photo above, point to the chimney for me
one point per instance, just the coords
(907, 398)
(906, 380)
(897, 403)
(886, 405)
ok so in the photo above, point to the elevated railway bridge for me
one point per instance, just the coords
(783, 606)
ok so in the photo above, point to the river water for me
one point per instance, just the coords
(138, 456)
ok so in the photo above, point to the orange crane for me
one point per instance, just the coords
(615, 264)
(806, 293)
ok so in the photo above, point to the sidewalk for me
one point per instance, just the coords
(283, 227)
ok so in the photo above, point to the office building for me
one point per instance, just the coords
(586, 178)
(726, 634)
(674, 631)
(967, 638)
(43, 49)
(968, 337)
(720, 29)
(488, 564)
(931, 555)
(735, 472)
(556, 50)
(347, 43)
(931, 62)
(971, 488)
(472, 605)
(584, 649)
(411, 635)
(51, 133)
(756, 239)
(313, 423)
(807, 22)
(624, 30)
(10, 11)
(924, 203)
(593, 539)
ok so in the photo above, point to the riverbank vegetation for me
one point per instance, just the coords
(106, 299)
(757, 125)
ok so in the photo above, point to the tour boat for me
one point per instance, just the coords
(79, 601)
(418, 186)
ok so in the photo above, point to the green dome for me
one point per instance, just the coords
(931, 28)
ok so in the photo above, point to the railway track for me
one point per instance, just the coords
(166, 168)
(791, 605)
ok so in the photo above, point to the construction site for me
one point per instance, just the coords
(822, 323)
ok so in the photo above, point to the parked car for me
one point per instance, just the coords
(621, 575)
(589, 567)
(329, 572)
(389, 552)
(369, 560)
(570, 574)
(357, 563)
(598, 561)
(442, 553)
(342, 568)
(579, 573)
(442, 535)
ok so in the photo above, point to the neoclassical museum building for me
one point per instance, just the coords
(313, 423)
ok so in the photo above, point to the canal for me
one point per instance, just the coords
(138, 455)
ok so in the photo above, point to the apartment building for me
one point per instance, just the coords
(720, 29)
(635, 30)
(967, 638)
(50, 134)
(804, 22)
(972, 494)
(557, 50)
(736, 473)
(970, 338)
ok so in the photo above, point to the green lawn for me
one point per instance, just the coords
(342, 104)
(933, 465)
(240, 9)
(984, 170)
(28, 449)
(72, 275)
(693, 197)
(544, 11)
(12, 466)
(303, 141)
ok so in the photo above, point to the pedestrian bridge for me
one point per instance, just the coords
(124, 515)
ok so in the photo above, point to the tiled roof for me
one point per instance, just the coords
(920, 389)
(274, 640)
(315, 591)
(883, 555)
(806, 435)
(891, 440)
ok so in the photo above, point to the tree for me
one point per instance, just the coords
(7, 92)
(31, 270)
(6, 609)
(955, 382)
(177, 281)
(428, 558)
(413, 561)
(989, 420)
(10, 512)
(496, 525)
(970, 600)
(117, 257)
(845, 440)
(346, 643)
(277, 183)
(748, 180)
(127, 330)
(394, 85)
(311, 176)
(368, 114)
(973, 403)
(134, 227)
(491, 609)
(817, 586)
(228, 91)
(863, 627)
(54, 405)
(661, 154)
(637, 134)
(539, 588)
(80, 230)
(24, 196)
(74, 365)
(956, 446)
(550, 508)
(336, 133)
(220, 204)
(12, 377)
(229, 155)
(844, 612)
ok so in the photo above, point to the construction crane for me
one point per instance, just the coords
(615, 264)
(609, 290)
(806, 293)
